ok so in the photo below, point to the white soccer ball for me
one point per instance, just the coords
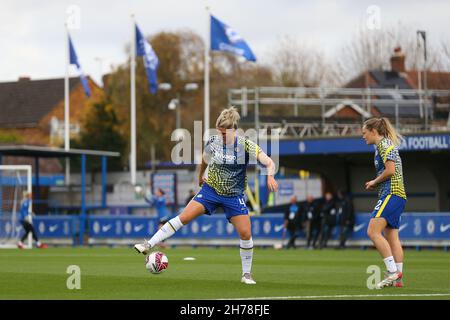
(156, 262)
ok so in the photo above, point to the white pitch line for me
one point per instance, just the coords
(346, 296)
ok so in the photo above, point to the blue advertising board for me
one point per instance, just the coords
(285, 187)
(45, 226)
(55, 226)
(414, 226)
(425, 142)
(121, 226)
(216, 226)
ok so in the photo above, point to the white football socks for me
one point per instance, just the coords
(390, 264)
(166, 231)
(399, 266)
(246, 250)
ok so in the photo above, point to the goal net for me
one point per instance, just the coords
(14, 181)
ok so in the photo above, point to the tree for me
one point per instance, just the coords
(296, 65)
(100, 131)
(372, 49)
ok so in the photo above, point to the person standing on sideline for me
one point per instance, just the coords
(158, 200)
(291, 219)
(346, 214)
(312, 221)
(25, 221)
(328, 219)
(189, 197)
(384, 226)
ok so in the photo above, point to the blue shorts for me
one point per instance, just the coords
(211, 200)
(390, 208)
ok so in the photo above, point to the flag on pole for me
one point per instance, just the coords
(224, 38)
(151, 62)
(73, 59)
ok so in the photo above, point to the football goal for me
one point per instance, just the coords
(15, 180)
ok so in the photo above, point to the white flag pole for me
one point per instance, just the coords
(30, 207)
(133, 103)
(206, 69)
(67, 107)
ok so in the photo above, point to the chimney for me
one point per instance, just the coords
(398, 60)
(24, 78)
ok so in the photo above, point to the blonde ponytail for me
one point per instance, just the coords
(228, 119)
(391, 133)
(384, 128)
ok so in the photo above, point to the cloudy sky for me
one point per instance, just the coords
(32, 32)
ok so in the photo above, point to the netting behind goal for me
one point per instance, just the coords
(14, 181)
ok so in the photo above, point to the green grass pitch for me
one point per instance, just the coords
(119, 273)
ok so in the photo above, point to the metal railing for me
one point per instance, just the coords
(325, 104)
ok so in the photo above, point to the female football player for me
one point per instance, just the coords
(226, 155)
(392, 197)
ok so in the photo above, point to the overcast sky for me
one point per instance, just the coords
(32, 32)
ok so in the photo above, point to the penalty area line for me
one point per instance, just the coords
(345, 296)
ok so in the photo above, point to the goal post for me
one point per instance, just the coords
(14, 181)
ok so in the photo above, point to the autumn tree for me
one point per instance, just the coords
(100, 131)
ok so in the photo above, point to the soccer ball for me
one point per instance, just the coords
(156, 262)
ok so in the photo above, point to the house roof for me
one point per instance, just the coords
(403, 111)
(391, 80)
(25, 102)
(347, 103)
(435, 80)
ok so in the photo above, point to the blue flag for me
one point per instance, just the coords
(151, 62)
(73, 59)
(223, 38)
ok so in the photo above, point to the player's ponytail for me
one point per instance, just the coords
(391, 133)
(384, 128)
(228, 119)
